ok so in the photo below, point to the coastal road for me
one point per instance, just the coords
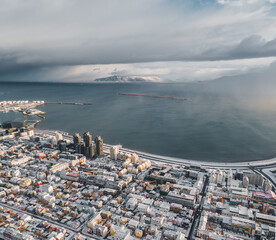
(173, 160)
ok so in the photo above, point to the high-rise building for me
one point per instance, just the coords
(82, 148)
(87, 148)
(91, 151)
(85, 151)
(77, 139)
(79, 148)
(114, 151)
(87, 138)
(99, 146)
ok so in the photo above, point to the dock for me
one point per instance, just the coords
(68, 103)
(153, 96)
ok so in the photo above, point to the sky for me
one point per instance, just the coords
(180, 40)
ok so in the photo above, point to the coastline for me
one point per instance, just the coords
(174, 160)
(244, 164)
(264, 167)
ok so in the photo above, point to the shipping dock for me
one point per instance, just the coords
(153, 96)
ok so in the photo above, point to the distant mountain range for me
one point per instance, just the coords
(263, 82)
(118, 79)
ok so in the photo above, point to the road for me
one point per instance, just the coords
(199, 209)
(173, 160)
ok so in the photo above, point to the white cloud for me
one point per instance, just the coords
(243, 2)
(165, 71)
(55, 36)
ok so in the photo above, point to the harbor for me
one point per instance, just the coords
(29, 108)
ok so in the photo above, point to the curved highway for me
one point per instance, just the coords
(261, 164)
(173, 160)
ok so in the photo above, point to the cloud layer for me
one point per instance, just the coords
(42, 37)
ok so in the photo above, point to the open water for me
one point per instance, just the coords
(215, 124)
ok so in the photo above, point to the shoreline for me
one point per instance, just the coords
(243, 164)
(174, 160)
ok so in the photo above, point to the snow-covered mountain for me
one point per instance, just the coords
(116, 78)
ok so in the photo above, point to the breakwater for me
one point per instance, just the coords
(153, 96)
(68, 103)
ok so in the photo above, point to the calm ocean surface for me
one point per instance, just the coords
(215, 124)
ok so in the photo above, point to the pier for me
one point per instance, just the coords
(68, 103)
(153, 96)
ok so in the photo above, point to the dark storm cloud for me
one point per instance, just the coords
(252, 47)
(255, 46)
(10, 63)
